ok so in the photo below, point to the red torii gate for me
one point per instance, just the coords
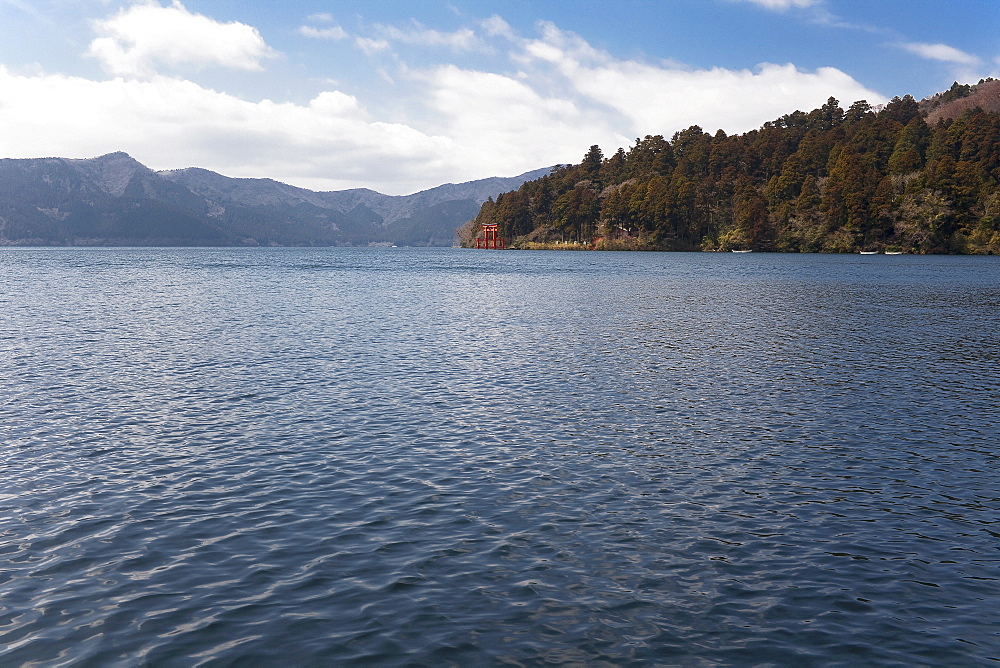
(491, 237)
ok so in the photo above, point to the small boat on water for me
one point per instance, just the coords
(894, 252)
(869, 252)
(743, 251)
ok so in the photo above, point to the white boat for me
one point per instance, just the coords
(869, 252)
(894, 252)
(742, 251)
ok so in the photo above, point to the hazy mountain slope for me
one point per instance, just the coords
(249, 192)
(391, 208)
(108, 200)
(115, 200)
(424, 228)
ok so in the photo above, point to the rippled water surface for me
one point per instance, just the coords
(448, 457)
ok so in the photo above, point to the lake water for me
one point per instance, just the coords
(451, 457)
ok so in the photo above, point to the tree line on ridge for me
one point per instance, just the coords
(830, 180)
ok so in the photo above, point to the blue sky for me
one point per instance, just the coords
(402, 95)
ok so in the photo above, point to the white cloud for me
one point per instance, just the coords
(662, 98)
(496, 26)
(460, 40)
(136, 40)
(501, 125)
(561, 46)
(941, 52)
(334, 32)
(370, 45)
(782, 5)
(166, 123)
(736, 100)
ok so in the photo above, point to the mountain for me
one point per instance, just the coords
(115, 200)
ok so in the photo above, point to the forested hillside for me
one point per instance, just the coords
(828, 180)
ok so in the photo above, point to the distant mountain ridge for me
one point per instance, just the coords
(116, 200)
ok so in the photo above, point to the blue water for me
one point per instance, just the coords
(448, 457)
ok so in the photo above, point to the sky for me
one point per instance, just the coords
(404, 95)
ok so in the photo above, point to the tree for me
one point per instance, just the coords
(858, 112)
(652, 154)
(847, 194)
(613, 170)
(827, 117)
(592, 162)
(576, 213)
(910, 148)
(901, 109)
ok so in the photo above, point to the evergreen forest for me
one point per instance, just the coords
(887, 179)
